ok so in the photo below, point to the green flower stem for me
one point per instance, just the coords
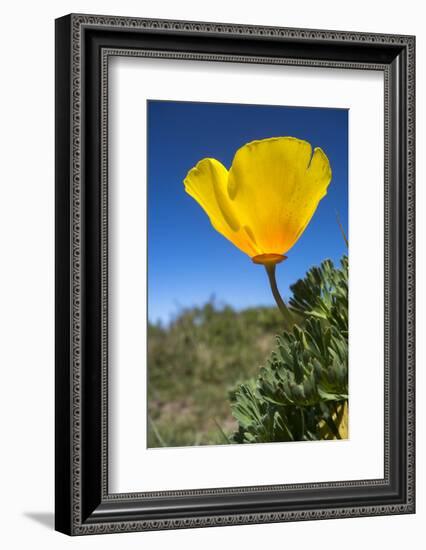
(270, 270)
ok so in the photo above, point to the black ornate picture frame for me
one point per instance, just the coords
(84, 44)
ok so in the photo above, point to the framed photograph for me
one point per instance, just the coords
(234, 274)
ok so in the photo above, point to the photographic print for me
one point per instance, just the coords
(203, 255)
(247, 274)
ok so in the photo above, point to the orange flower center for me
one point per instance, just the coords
(272, 259)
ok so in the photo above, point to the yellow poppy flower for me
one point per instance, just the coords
(268, 196)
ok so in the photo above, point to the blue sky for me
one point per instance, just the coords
(188, 261)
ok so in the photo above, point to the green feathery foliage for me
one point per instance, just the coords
(302, 392)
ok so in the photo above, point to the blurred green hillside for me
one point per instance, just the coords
(193, 364)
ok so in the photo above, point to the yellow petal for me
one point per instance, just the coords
(275, 186)
(207, 183)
